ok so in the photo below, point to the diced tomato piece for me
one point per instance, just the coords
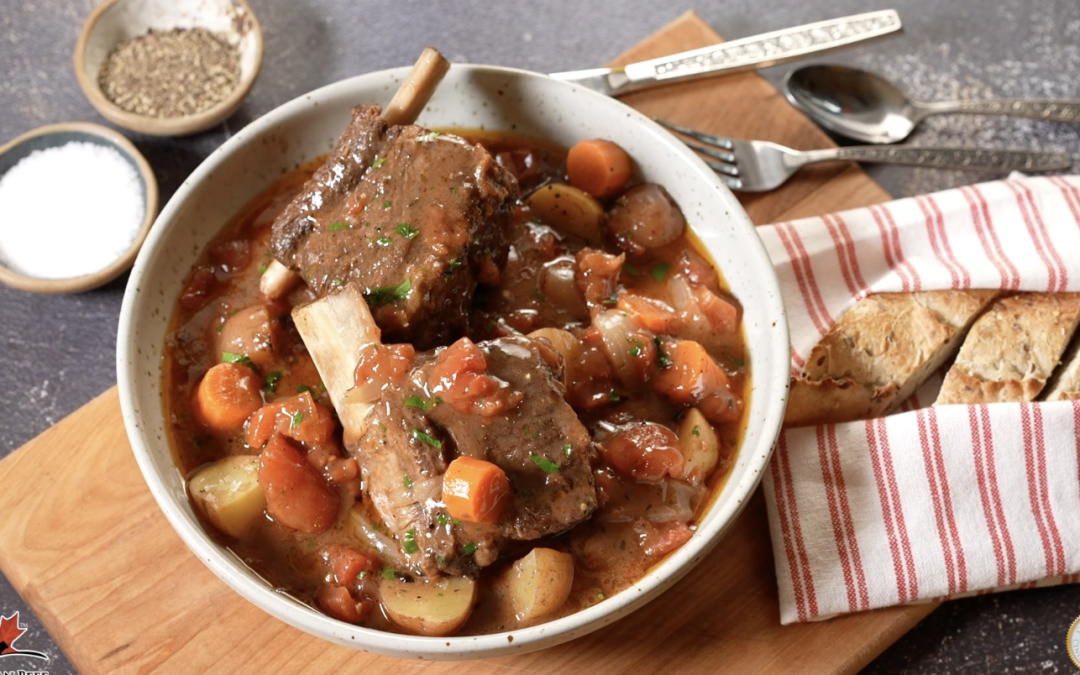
(380, 366)
(345, 564)
(658, 539)
(694, 379)
(338, 603)
(653, 315)
(721, 314)
(598, 277)
(299, 417)
(296, 494)
(459, 377)
(646, 451)
(232, 255)
(199, 287)
(593, 378)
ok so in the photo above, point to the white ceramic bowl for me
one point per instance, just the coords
(470, 97)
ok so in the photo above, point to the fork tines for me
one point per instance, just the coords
(709, 145)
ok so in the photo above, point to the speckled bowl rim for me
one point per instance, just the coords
(97, 279)
(771, 371)
(167, 126)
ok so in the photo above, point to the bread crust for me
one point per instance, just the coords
(1012, 350)
(880, 352)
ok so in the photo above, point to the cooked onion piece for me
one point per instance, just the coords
(645, 217)
(700, 446)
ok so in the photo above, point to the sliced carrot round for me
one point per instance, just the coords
(475, 490)
(227, 395)
(598, 167)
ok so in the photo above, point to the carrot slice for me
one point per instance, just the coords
(296, 495)
(598, 167)
(227, 395)
(338, 603)
(475, 490)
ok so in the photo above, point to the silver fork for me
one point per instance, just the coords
(759, 166)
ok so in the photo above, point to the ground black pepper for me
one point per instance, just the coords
(171, 73)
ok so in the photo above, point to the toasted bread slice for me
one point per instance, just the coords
(1012, 350)
(879, 352)
(1065, 384)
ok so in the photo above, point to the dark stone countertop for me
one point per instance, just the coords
(57, 352)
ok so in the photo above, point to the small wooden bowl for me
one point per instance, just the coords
(56, 135)
(115, 21)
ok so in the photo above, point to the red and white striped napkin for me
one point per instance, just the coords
(930, 503)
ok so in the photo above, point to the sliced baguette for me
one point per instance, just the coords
(1065, 384)
(1011, 351)
(879, 352)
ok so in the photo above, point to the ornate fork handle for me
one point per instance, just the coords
(1000, 161)
(1053, 111)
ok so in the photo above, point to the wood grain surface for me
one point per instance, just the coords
(83, 542)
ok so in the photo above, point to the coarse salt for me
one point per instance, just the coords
(69, 211)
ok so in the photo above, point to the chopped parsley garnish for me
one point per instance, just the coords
(388, 573)
(301, 388)
(229, 357)
(196, 441)
(738, 363)
(378, 162)
(262, 269)
(696, 431)
(662, 359)
(385, 294)
(442, 518)
(272, 380)
(408, 543)
(636, 349)
(614, 397)
(599, 596)
(220, 326)
(335, 227)
(660, 271)
(297, 418)
(406, 230)
(566, 449)
(361, 574)
(631, 270)
(422, 403)
(429, 136)
(387, 203)
(454, 264)
(384, 241)
(424, 438)
(544, 463)
(610, 301)
(468, 549)
(409, 481)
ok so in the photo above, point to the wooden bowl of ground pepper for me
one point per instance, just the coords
(169, 67)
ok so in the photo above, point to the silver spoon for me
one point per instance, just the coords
(869, 108)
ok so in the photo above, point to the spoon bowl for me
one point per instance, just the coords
(868, 108)
(853, 103)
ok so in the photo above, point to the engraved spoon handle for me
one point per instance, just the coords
(968, 159)
(1063, 110)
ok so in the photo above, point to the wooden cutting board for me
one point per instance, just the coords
(83, 542)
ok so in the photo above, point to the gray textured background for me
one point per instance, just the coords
(56, 353)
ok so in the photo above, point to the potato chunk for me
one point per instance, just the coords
(699, 445)
(429, 607)
(570, 211)
(229, 495)
(539, 583)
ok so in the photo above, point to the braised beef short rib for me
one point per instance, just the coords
(536, 438)
(408, 215)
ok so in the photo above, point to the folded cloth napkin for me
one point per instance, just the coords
(931, 503)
